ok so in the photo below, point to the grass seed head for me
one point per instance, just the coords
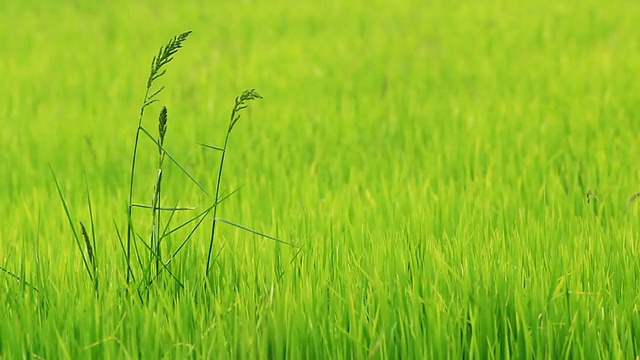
(246, 95)
(250, 94)
(162, 124)
(87, 243)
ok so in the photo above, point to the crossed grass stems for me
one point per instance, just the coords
(144, 257)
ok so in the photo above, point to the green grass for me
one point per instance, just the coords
(433, 160)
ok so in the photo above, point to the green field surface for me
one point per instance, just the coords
(453, 180)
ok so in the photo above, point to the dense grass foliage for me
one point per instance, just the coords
(458, 174)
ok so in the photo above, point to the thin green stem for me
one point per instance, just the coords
(156, 221)
(233, 119)
(217, 194)
(93, 236)
(131, 179)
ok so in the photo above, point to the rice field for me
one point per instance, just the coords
(436, 180)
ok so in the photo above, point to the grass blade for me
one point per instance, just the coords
(92, 255)
(145, 206)
(124, 251)
(242, 227)
(211, 147)
(73, 228)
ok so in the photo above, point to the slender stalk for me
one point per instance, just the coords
(155, 217)
(93, 236)
(131, 179)
(239, 105)
(164, 56)
(217, 194)
(155, 220)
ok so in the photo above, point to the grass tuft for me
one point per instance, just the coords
(144, 256)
